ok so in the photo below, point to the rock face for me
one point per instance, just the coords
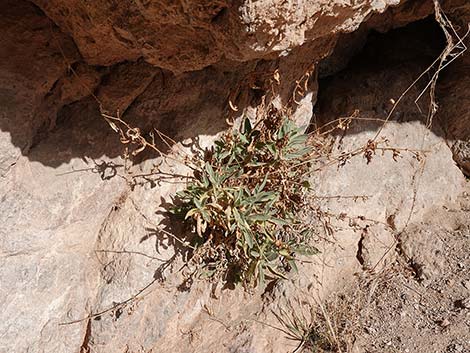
(80, 234)
(190, 35)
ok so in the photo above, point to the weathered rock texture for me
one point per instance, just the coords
(75, 238)
(190, 35)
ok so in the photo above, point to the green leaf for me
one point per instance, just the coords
(205, 181)
(252, 268)
(248, 238)
(263, 184)
(211, 173)
(260, 217)
(238, 197)
(191, 213)
(254, 254)
(278, 221)
(298, 140)
(304, 249)
(271, 256)
(256, 164)
(205, 216)
(220, 143)
(236, 214)
(272, 149)
(293, 265)
(266, 196)
(274, 271)
(285, 253)
(197, 203)
(223, 155)
(232, 227)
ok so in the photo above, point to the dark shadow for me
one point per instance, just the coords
(178, 110)
(47, 109)
(171, 232)
(106, 170)
(44, 84)
(379, 74)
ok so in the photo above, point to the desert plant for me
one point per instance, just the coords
(299, 326)
(244, 200)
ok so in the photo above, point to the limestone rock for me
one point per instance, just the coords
(79, 234)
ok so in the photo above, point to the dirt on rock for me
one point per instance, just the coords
(419, 303)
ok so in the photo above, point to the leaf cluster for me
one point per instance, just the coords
(244, 200)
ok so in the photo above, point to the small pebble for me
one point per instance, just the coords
(444, 323)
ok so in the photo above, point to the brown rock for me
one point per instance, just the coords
(190, 35)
